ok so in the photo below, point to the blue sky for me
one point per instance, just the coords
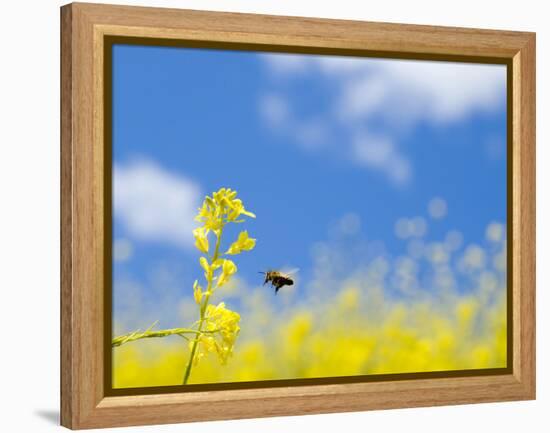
(322, 149)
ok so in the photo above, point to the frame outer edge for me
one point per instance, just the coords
(79, 405)
(524, 219)
(527, 139)
(67, 403)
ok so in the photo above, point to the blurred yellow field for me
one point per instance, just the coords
(410, 339)
(350, 329)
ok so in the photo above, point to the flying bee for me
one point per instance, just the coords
(279, 279)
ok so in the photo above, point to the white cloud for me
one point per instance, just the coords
(153, 203)
(311, 134)
(380, 153)
(274, 109)
(429, 90)
(281, 63)
(362, 96)
(122, 250)
(374, 151)
(413, 91)
(389, 96)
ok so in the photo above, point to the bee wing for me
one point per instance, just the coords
(290, 272)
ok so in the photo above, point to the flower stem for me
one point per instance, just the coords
(136, 335)
(202, 311)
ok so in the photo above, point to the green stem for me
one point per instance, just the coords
(202, 311)
(133, 336)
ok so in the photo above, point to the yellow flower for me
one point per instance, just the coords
(221, 208)
(197, 292)
(223, 318)
(224, 196)
(224, 324)
(210, 215)
(226, 203)
(219, 195)
(208, 343)
(204, 264)
(218, 263)
(237, 209)
(228, 269)
(210, 268)
(223, 327)
(243, 243)
(201, 239)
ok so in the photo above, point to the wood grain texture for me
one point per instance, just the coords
(67, 385)
(306, 32)
(84, 26)
(524, 218)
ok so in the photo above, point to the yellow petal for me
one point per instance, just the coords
(201, 240)
(217, 264)
(204, 264)
(210, 202)
(229, 267)
(243, 243)
(197, 293)
(233, 249)
(250, 214)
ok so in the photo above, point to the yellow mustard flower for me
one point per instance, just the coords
(222, 318)
(210, 268)
(206, 266)
(197, 292)
(222, 328)
(237, 209)
(226, 325)
(222, 208)
(228, 269)
(201, 239)
(243, 243)
(210, 215)
(217, 328)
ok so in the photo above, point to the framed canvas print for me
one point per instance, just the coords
(267, 215)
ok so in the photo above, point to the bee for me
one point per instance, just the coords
(279, 279)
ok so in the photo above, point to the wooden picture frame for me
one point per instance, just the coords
(85, 28)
